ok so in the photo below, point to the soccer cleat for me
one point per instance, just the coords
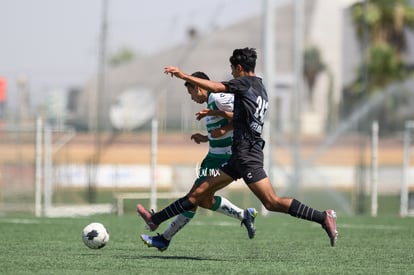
(158, 242)
(248, 221)
(147, 216)
(330, 226)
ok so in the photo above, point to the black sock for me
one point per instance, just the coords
(299, 210)
(179, 206)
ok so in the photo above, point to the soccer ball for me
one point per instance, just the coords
(95, 235)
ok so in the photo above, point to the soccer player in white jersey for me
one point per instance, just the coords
(218, 116)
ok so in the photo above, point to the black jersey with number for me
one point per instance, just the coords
(250, 106)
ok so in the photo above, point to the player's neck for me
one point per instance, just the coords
(247, 73)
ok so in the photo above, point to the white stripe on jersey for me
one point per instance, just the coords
(224, 102)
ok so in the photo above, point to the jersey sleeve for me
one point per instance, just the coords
(236, 85)
(224, 101)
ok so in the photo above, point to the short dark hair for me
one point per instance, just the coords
(244, 57)
(196, 74)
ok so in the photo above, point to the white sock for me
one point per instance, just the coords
(228, 208)
(180, 221)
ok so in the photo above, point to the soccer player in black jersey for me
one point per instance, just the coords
(250, 106)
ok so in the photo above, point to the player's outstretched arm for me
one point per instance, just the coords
(210, 112)
(212, 86)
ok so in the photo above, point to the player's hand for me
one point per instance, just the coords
(199, 138)
(218, 132)
(173, 71)
(203, 113)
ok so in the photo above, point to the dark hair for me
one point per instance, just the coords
(244, 57)
(196, 74)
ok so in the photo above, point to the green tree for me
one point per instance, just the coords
(385, 20)
(312, 67)
(384, 66)
(382, 26)
(385, 23)
(122, 56)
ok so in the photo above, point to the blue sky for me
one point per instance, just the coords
(55, 43)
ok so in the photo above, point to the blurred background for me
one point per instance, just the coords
(88, 120)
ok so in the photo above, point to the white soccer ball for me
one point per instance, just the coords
(95, 235)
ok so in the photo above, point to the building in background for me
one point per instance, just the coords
(327, 27)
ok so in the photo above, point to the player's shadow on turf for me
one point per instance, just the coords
(170, 258)
(182, 258)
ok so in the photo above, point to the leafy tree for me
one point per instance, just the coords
(312, 67)
(122, 56)
(383, 25)
(383, 65)
(385, 20)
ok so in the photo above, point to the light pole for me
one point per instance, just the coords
(297, 114)
(99, 96)
(23, 99)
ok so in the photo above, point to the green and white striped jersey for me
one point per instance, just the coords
(221, 146)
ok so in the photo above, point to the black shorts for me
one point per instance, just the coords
(246, 161)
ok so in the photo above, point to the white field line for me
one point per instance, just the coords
(20, 221)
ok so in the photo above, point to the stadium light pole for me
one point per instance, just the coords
(268, 65)
(297, 106)
(361, 168)
(99, 95)
(22, 83)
